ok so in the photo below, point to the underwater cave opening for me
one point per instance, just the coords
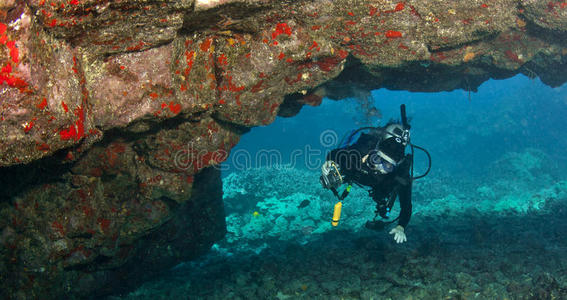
(462, 136)
(495, 195)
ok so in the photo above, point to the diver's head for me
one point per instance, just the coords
(390, 149)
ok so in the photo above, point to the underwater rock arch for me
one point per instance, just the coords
(111, 112)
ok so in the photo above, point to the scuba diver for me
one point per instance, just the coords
(376, 160)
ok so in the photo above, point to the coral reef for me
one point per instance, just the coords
(280, 206)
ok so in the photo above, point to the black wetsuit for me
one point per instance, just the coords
(382, 186)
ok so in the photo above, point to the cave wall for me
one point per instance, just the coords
(112, 110)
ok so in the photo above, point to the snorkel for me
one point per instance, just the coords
(406, 126)
(404, 117)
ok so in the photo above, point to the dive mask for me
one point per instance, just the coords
(389, 151)
(379, 161)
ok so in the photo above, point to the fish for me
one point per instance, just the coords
(303, 203)
(255, 214)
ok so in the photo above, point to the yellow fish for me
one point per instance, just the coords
(255, 214)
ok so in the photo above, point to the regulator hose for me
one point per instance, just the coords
(428, 157)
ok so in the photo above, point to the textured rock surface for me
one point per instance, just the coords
(110, 109)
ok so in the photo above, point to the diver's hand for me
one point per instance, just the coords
(399, 234)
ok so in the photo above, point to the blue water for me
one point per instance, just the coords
(461, 133)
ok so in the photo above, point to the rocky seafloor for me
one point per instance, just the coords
(500, 236)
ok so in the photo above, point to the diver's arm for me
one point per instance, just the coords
(404, 193)
(332, 156)
(405, 205)
(347, 160)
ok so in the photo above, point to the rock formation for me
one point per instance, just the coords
(114, 112)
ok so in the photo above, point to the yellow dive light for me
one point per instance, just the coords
(337, 213)
(339, 206)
